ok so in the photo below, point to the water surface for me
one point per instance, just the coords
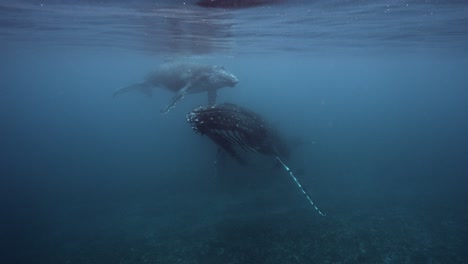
(372, 93)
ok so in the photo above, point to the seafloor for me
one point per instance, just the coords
(252, 224)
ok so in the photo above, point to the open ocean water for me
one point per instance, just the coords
(372, 95)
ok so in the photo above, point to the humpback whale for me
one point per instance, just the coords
(182, 78)
(241, 132)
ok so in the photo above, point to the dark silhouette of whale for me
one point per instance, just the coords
(236, 3)
(241, 132)
(183, 78)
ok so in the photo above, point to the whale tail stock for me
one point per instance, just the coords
(143, 87)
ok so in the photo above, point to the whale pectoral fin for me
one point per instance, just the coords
(142, 87)
(303, 190)
(176, 98)
(212, 95)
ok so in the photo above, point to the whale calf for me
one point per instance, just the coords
(182, 78)
(241, 132)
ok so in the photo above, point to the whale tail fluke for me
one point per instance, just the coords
(141, 87)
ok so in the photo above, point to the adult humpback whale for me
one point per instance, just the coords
(241, 132)
(183, 78)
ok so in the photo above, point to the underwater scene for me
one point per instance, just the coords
(242, 131)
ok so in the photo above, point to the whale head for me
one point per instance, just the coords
(225, 116)
(234, 128)
(223, 78)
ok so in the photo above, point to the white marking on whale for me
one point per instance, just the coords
(182, 78)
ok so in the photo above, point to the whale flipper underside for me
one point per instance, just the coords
(176, 98)
(143, 87)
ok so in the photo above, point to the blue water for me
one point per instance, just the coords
(375, 92)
